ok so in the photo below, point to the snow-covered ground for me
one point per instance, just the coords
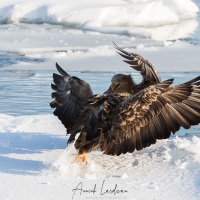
(78, 35)
(34, 165)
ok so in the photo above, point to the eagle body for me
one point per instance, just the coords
(128, 116)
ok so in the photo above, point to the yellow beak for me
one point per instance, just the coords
(113, 86)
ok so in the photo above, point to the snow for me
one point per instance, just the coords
(34, 161)
(25, 45)
(33, 158)
(147, 17)
(174, 57)
(47, 31)
(98, 13)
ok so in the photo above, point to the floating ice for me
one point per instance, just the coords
(99, 13)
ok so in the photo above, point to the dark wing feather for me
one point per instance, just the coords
(137, 62)
(70, 93)
(154, 113)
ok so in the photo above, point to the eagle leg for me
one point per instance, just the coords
(82, 158)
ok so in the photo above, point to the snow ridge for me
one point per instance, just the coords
(97, 14)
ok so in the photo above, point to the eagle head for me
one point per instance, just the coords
(121, 83)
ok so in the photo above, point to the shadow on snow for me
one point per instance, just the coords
(26, 143)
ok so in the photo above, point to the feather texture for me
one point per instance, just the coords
(127, 117)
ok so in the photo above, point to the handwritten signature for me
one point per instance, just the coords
(80, 189)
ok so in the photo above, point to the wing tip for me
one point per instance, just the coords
(61, 70)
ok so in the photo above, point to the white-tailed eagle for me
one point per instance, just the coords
(128, 116)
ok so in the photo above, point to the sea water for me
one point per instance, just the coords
(29, 92)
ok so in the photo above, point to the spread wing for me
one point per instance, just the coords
(154, 113)
(137, 62)
(70, 93)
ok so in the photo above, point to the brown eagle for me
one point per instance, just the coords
(128, 116)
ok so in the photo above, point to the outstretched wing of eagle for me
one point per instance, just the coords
(128, 116)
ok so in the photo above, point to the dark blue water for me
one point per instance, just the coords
(29, 92)
(10, 58)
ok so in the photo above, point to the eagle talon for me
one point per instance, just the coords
(81, 158)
